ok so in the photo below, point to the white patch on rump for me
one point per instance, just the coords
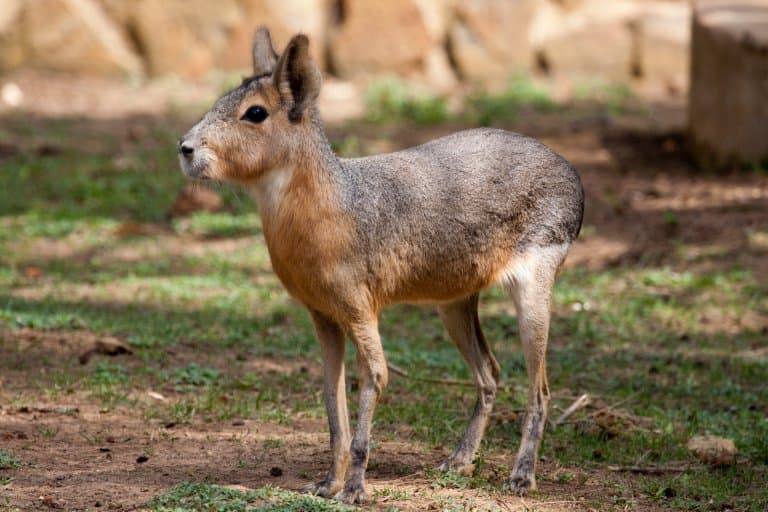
(534, 264)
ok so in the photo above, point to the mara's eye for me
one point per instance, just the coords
(255, 114)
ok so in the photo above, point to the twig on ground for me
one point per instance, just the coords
(612, 407)
(64, 409)
(451, 382)
(579, 403)
(406, 477)
(649, 470)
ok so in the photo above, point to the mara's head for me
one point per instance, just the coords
(262, 123)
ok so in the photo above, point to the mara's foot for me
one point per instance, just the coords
(325, 488)
(352, 494)
(520, 484)
(457, 466)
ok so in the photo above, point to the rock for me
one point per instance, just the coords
(489, 39)
(714, 450)
(284, 18)
(67, 35)
(599, 50)
(192, 37)
(591, 38)
(729, 69)
(438, 72)
(437, 16)
(183, 37)
(663, 33)
(558, 20)
(340, 100)
(9, 13)
(11, 45)
(379, 37)
(569, 4)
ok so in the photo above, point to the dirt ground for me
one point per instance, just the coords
(112, 460)
(79, 457)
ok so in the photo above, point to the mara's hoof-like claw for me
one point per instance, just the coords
(520, 484)
(453, 466)
(323, 488)
(351, 494)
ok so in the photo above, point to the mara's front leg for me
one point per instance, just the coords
(332, 339)
(372, 371)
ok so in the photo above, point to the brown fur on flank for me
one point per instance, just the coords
(432, 224)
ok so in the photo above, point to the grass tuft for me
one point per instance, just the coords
(390, 100)
(485, 109)
(202, 497)
(8, 461)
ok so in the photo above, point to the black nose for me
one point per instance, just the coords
(186, 148)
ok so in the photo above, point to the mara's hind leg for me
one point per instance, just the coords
(530, 281)
(463, 326)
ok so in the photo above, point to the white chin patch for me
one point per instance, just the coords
(198, 167)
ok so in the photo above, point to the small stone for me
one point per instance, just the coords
(714, 450)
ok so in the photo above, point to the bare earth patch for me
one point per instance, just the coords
(114, 461)
(78, 455)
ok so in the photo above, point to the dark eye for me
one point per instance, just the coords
(255, 114)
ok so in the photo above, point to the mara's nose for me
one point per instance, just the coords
(186, 148)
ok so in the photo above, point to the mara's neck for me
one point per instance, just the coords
(311, 180)
(303, 218)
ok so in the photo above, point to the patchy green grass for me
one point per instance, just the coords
(617, 98)
(213, 498)
(391, 100)
(8, 461)
(485, 109)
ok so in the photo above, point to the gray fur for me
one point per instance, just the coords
(455, 192)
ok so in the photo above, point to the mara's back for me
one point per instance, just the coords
(460, 207)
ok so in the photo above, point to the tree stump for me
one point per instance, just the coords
(728, 108)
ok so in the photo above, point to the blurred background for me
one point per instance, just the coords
(444, 47)
(135, 307)
(107, 58)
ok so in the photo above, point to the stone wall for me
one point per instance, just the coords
(439, 42)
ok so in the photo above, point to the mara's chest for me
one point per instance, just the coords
(311, 254)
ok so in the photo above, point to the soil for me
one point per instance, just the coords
(77, 456)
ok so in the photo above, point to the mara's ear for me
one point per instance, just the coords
(297, 78)
(264, 55)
